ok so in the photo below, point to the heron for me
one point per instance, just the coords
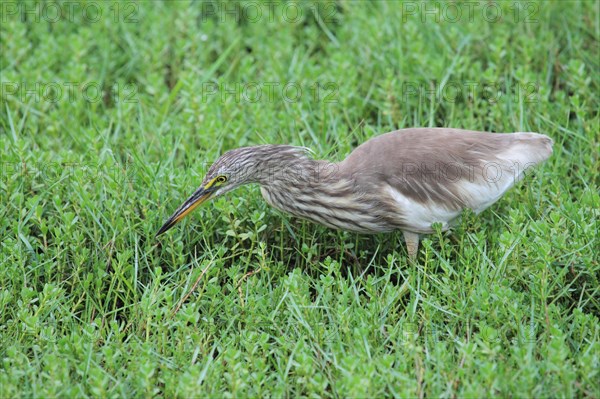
(407, 180)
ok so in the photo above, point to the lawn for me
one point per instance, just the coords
(112, 112)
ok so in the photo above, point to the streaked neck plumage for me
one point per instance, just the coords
(311, 189)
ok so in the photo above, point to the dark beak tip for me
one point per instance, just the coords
(200, 194)
(164, 228)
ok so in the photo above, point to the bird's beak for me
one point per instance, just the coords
(200, 196)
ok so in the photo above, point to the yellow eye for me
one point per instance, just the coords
(221, 179)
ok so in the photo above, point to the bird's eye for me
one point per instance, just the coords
(221, 179)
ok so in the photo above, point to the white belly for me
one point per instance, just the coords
(420, 216)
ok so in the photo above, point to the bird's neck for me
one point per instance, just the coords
(314, 190)
(300, 172)
(283, 166)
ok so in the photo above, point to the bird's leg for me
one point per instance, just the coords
(412, 244)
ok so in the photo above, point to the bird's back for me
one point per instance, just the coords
(432, 174)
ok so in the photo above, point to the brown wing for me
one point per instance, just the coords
(447, 168)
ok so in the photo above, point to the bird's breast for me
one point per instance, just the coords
(343, 212)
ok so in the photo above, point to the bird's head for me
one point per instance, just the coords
(233, 169)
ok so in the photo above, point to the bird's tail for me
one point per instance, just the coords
(531, 148)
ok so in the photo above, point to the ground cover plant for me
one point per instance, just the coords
(111, 113)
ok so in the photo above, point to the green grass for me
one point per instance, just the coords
(506, 305)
